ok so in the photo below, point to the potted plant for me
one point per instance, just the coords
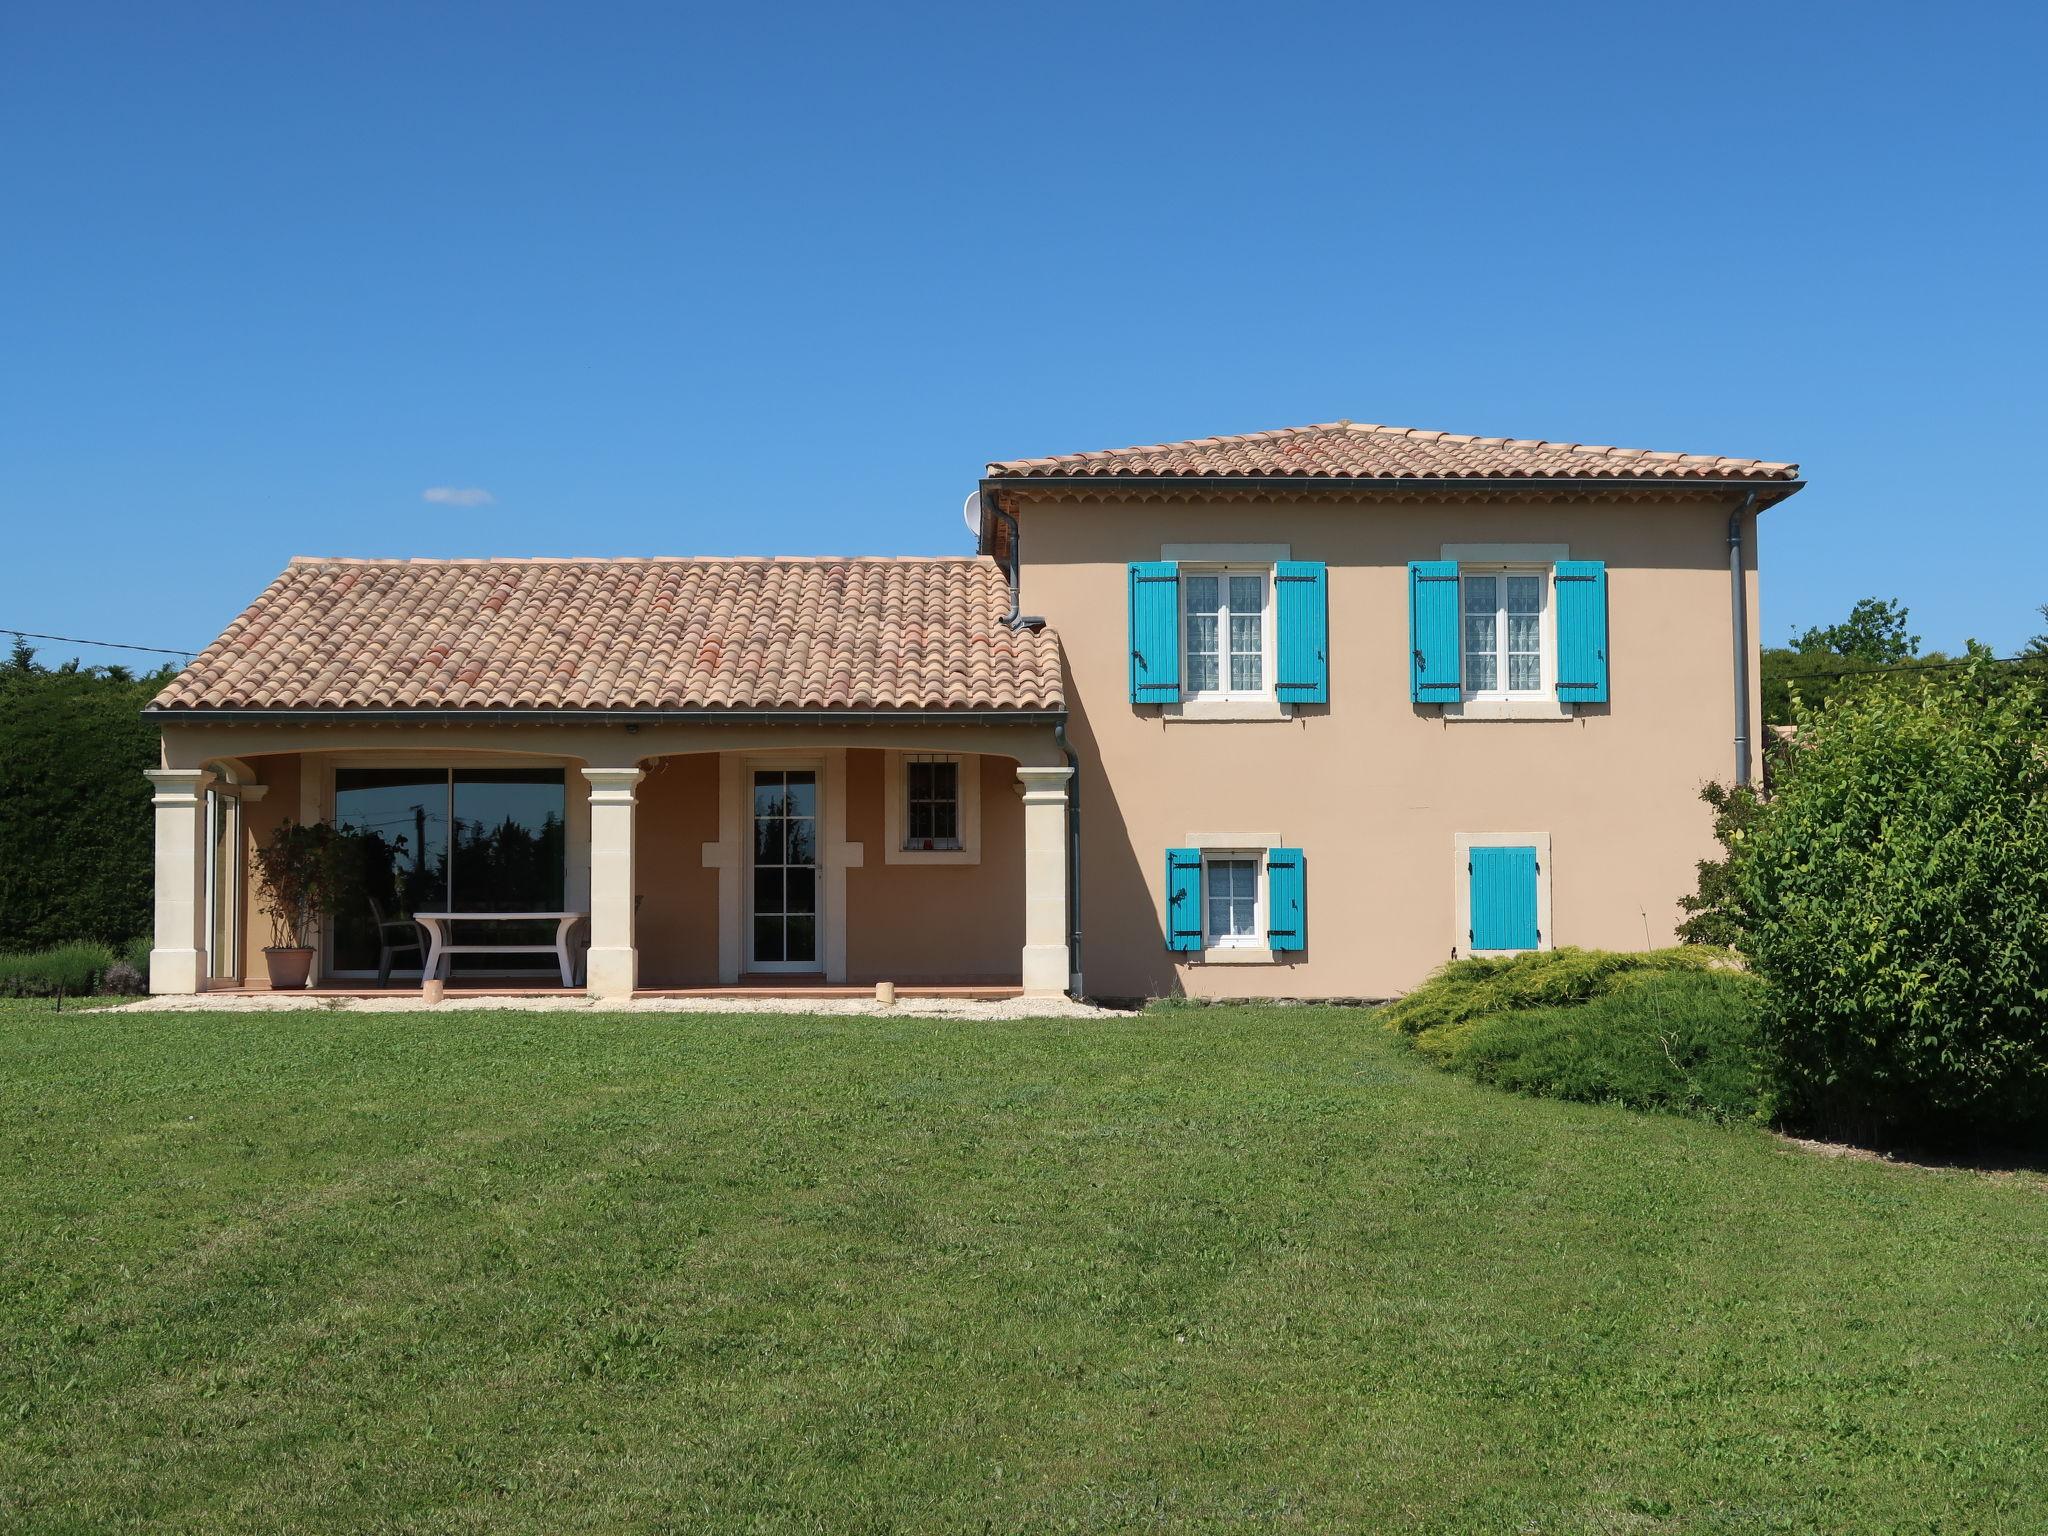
(295, 873)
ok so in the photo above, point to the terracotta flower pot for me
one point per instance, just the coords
(289, 968)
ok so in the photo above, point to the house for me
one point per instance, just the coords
(1298, 713)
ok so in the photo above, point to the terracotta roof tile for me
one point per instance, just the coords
(627, 634)
(1345, 450)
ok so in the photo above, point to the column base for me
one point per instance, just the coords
(1045, 970)
(176, 972)
(611, 973)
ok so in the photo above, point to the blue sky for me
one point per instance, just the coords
(779, 280)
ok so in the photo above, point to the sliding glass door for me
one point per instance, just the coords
(446, 840)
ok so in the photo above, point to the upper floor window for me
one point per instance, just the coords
(1505, 634)
(1226, 631)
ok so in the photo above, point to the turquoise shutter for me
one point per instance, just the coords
(1184, 898)
(1155, 632)
(1435, 674)
(1503, 898)
(1582, 631)
(1301, 604)
(1286, 900)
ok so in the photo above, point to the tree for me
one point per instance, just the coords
(1874, 632)
(1893, 894)
(2037, 648)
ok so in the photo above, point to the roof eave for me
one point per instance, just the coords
(1769, 489)
(160, 714)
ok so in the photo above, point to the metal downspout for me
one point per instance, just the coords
(1738, 612)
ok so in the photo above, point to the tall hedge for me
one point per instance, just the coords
(75, 835)
(1894, 896)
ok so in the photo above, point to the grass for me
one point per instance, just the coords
(1205, 1270)
(1670, 1029)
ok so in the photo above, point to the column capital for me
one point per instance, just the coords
(1043, 783)
(612, 781)
(176, 784)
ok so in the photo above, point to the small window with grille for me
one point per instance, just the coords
(931, 806)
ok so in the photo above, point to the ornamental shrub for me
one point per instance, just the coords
(76, 970)
(1894, 898)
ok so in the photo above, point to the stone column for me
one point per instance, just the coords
(177, 962)
(1046, 966)
(614, 962)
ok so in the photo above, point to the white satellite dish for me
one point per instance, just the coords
(970, 514)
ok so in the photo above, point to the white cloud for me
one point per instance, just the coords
(457, 495)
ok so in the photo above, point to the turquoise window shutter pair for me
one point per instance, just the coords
(1436, 646)
(1503, 898)
(1286, 899)
(1301, 618)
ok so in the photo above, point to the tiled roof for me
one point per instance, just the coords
(1347, 450)
(626, 634)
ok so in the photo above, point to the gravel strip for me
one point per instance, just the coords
(852, 1007)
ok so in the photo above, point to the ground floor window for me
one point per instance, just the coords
(447, 840)
(1230, 888)
(931, 811)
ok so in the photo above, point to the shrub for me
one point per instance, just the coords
(124, 980)
(1895, 898)
(1714, 917)
(1675, 1040)
(76, 970)
(1469, 989)
(1668, 1030)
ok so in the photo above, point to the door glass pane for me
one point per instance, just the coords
(224, 884)
(784, 925)
(394, 858)
(510, 856)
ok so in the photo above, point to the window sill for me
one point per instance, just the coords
(1237, 955)
(1194, 710)
(1509, 709)
(931, 856)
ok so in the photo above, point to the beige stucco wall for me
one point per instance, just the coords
(677, 928)
(1375, 788)
(928, 922)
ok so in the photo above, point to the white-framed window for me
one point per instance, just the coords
(1233, 899)
(1227, 631)
(932, 808)
(1505, 619)
(931, 802)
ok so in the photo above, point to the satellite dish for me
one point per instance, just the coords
(970, 514)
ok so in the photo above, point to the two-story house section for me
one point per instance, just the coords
(1348, 701)
(1301, 713)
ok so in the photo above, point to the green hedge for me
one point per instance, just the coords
(1671, 1030)
(75, 837)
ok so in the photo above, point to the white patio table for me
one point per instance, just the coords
(440, 928)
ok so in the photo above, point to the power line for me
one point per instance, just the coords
(112, 645)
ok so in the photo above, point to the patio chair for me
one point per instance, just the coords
(396, 936)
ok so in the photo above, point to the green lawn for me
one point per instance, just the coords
(1208, 1269)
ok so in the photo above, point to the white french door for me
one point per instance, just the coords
(782, 871)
